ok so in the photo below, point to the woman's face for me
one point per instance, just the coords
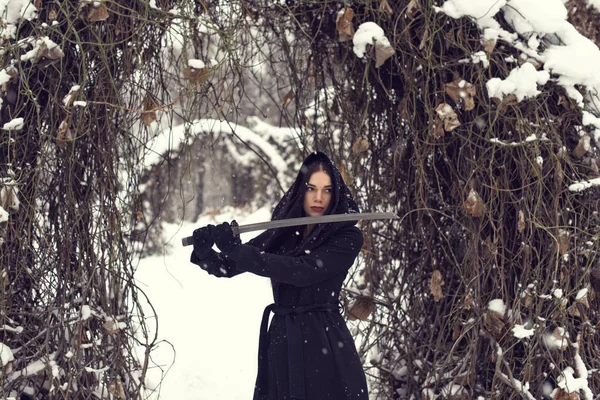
(318, 194)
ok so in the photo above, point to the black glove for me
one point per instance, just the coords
(224, 237)
(203, 243)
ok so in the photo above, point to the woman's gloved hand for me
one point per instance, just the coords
(224, 238)
(203, 242)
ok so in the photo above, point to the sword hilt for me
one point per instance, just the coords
(235, 228)
(187, 241)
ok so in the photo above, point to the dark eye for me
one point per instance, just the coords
(328, 190)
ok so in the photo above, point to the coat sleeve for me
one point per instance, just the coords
(220, 265)
(335, 256)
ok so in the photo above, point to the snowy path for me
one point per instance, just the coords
(212, 324)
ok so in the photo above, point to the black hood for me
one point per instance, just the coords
(292, 206)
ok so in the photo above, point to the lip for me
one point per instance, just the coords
(317, 208)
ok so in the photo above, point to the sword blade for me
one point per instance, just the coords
(285, 223)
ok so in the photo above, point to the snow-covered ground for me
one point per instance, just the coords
(209, 326)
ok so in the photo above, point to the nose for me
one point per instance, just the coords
(318, 196)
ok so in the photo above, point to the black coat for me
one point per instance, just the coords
(308, 352)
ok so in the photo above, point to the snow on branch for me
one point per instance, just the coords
(517, 385)
(6, 355)
(3, 215)
(569, 56)
(14, 125)
(269, 131)
(522, 82)
(167, 141)
(582, 185)
(570, 384)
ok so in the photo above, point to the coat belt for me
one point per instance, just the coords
(294, 345)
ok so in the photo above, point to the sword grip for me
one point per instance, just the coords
(235, 228)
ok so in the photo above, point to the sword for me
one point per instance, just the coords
(285, 223)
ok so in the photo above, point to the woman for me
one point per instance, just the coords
(308, 352)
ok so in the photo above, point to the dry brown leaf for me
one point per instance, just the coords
(562, 395)
(582, 147)
(196, 75)
(509, 100)
(468, 301)
(450, 39)
(494, 324)
(348, 180)
(64, 134)
(521, 222)
(382, 53)
(451, 123)
(562, 101)
(448, 116)
(149, 110)
(366, 242)
(99, 13)
(384, 7)
(573, 310)
(116, 389)
(287, 99)
(435, 285)
(488, 45)
(311, 74)
(559, 339)
(139, 215)
(52, 15)
(111, 325)
(343, 24)
(424, 39)
(583, 300)
(490, 249)
(360, 146)
(361, 309)
(565, 102)
(8, 198)
(53, 53)
(412, 8)
(462, 92)
(527, 298)
(473, 205)
(536, 64)
(456, 331)
(403, 108)
(563, 241)
(437, 130)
